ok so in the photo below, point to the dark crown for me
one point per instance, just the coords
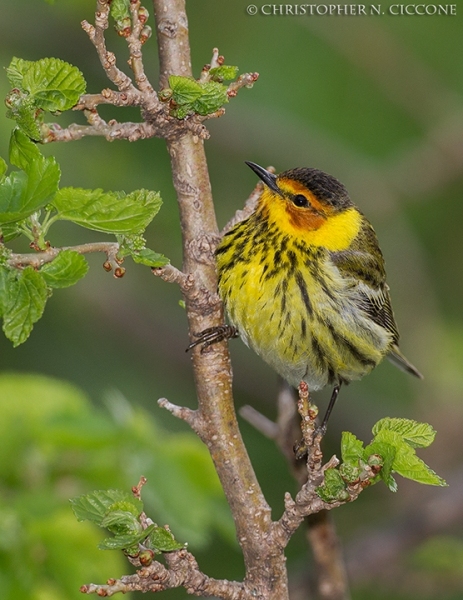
(325, 187)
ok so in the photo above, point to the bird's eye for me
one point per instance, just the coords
(300, 200)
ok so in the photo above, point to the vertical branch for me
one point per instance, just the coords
(217, 424)
(332, 581)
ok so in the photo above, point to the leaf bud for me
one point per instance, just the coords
(143, 14)
(146, 557)
(145, 34)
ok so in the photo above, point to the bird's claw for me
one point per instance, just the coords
(213, 335)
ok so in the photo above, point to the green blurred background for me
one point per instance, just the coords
(375, 101)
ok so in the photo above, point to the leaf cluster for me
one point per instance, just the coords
(49, 84)
(392, 450)
(120, 513)
(189, 96)
(63, 445)
(30, 203)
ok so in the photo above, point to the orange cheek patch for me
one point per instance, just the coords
(304, 219)
(295, 187)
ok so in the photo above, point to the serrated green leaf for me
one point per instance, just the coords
(65, 270)
(25, 303)
(54, 84)
(214, 95)
(386, 449)
(349, 472)
(351, 448)
(185, 89)
(15, 71)
(223, 73)
(182, 111)
(418, 435)
(129, 506)
(149, 257)
(3, 168)
(407, 464)
(109, 212)
(333, 488)
(94, 506)
(23, 109)
(22, 150)
(119, 10)
(121, 522)
(7, 280)
(404, 462)
(22, 194)
(9, 231)
(125, 542)
(162, 540)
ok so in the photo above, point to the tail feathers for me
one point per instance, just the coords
(398, 359)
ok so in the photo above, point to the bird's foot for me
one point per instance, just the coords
(213, 335)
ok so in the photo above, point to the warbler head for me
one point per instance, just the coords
(310, 204)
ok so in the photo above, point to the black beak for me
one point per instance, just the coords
(267, 177)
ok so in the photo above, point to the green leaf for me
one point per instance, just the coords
(407, 464)
(95, 506)
(23, 109)
(125, 542)
(15, 71)
(22, 194)
(54, 84)
(65, 270)
(121, 522)
(9, 231)
(418, 435)
(185, 89)
(126, 506)
(109, 212)
(120, 10)
(223, 73)
(22, 150)
(214, 95)
(162, 540)
(7, 281)
(386, 449)
(149, 257)
(390, 444)
(3, 168)
(333, 488)
(24, 305)
(349, 472)
(351, 448)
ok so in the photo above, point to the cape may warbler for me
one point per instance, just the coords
(303, 282)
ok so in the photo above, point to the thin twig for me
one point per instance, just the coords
(259, 421)
(38, 259)
(171, 274)
(182, 571)
(107, 59)
(182, 412)
(245, 80)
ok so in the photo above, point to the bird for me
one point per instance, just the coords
(304, 285)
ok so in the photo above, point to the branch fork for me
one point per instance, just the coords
(157, 122)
